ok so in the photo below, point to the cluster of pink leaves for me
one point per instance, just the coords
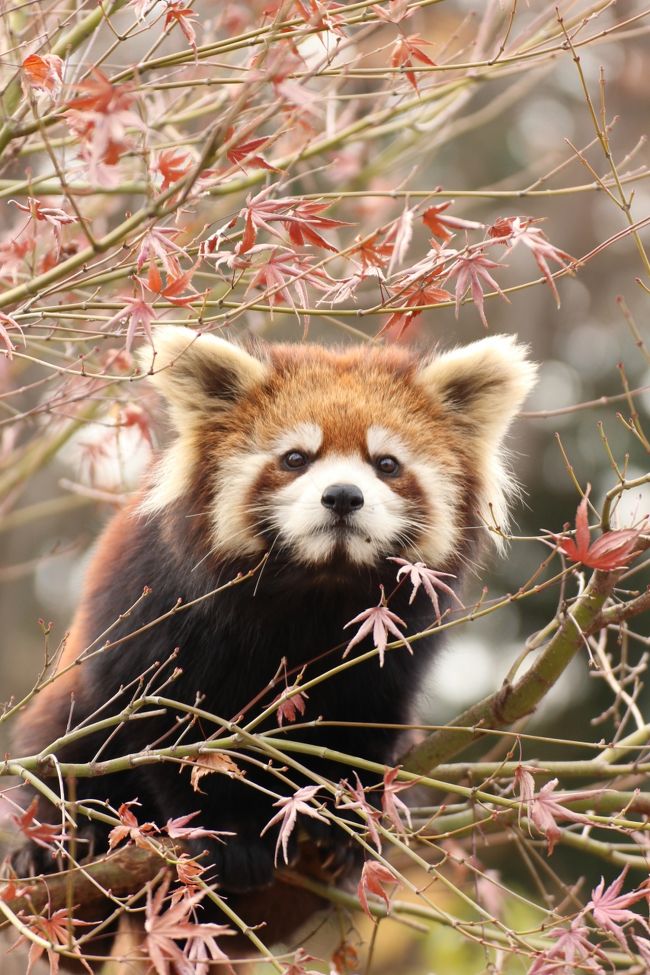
(572, 949)
(278, 267)
(608, 907)
(380, 622)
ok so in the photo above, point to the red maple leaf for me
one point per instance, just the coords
(133, 416)
(177, 282)
(613, 550)
(245, 154)
(373, 875)
(415, 293)
(189, 872)
(44, 73)
(130, 830)
(439, 225)
(184, 17)
(301, 218)
(294, 703)
(373, 252)
(43, 834)
(101, 95)
(100, 116)
(172, 165)
(407, 49)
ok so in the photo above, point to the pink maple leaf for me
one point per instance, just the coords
(610, 908)
(158, 244)
(360, 804)
(54, 216)
(547, 806)
(164, 928)
(299, 963)
(394, 807)
(177, 829)
(283, 271)
(290, 807)
(430, 580)
(643, 945)
(140, 315)
(472, 272)
(380, 621)
(398, 10)
(6, 321)
(569, 949)
(203, 951)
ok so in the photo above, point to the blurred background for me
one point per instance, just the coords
(510, 133)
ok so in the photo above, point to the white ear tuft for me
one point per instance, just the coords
(199, 374)
(482, 384)
(481, 387)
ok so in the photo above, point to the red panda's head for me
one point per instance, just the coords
(347, 455)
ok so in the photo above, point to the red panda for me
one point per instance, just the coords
(327, 462)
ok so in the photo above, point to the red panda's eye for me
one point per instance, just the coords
(294, 460)
(388, 466)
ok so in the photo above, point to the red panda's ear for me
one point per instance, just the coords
(199, 374)
(482, 384)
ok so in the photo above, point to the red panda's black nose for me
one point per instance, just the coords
(342, 498)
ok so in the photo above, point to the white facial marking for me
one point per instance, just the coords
(307, 527)
(304, 436)
(170, 478)
(438, 538)
(382, 442)
(231, 519)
